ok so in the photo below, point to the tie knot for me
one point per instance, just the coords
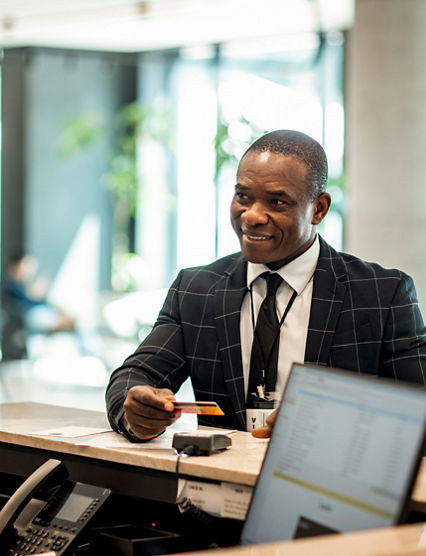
(273, 280)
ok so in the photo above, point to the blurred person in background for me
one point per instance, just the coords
(25, 298)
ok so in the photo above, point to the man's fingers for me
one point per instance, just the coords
(270, 420)
(149, 411)
(159, 398)
(265, 432)
(144, 411)
(163, 419)
(261, 432)
(149, 403)
(168, 405)
(150, 428)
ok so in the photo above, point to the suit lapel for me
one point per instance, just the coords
(327, 302)
(229, 295)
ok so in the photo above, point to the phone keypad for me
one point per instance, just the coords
(39, 540)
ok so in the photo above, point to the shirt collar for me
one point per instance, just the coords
(296, 273)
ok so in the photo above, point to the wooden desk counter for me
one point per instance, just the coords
(407, 540)
(240, 464)
(151, 474)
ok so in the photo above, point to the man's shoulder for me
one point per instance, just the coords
(214, 271)
(219, 266)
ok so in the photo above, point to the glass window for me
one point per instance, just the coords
(228, 96)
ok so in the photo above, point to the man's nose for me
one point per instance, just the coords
(255, 214)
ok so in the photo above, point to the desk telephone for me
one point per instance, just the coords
(48, 512)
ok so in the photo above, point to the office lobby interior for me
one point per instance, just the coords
(122, 125)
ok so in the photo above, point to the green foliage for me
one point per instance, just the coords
(80, 132)
(133, 124)
(232, 139)
(336, 188)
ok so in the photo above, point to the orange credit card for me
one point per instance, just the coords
(201, 408)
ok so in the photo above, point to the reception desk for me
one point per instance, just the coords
(130, 469)
(106, 459)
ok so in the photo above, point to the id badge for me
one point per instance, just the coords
(257, 418)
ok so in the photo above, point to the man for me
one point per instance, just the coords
(344, 312)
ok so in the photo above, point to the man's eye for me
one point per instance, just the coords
(278, 202)
(240, 196)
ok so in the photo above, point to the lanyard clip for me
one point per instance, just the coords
(261, 391)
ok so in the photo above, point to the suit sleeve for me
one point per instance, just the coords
(404, 339)
(159, 361)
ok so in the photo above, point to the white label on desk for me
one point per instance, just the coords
(235, 500)
(206, 496)
(225, 499)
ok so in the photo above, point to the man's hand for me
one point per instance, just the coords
(265, 432)
(149, 411)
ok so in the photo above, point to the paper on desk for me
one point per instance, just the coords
(117, 441)
(162, 442)
(71, 431)
(208, 432)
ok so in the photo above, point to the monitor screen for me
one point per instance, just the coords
(343, 455)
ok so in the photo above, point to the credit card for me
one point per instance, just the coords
(201, 408)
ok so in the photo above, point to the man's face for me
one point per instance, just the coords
(272, 211)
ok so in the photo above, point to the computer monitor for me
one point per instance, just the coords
(343, 456)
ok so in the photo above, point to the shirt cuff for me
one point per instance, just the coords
(127, 431)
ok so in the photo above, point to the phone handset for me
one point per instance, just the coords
(52, 468)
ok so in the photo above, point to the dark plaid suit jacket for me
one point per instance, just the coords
(363, 318)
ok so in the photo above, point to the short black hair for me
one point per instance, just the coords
(294, 143)
(15, 258)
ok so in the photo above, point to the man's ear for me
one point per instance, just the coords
(321, 205)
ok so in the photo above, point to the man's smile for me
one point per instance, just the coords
(272, 210)
(255, 237)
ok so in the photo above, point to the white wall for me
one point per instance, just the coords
(386, 136)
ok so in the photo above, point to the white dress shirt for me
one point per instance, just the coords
(297, 275)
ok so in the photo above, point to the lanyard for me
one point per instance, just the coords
(281, 322)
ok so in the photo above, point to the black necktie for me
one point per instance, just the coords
(264, 352)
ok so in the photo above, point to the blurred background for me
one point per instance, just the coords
(122, 123)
